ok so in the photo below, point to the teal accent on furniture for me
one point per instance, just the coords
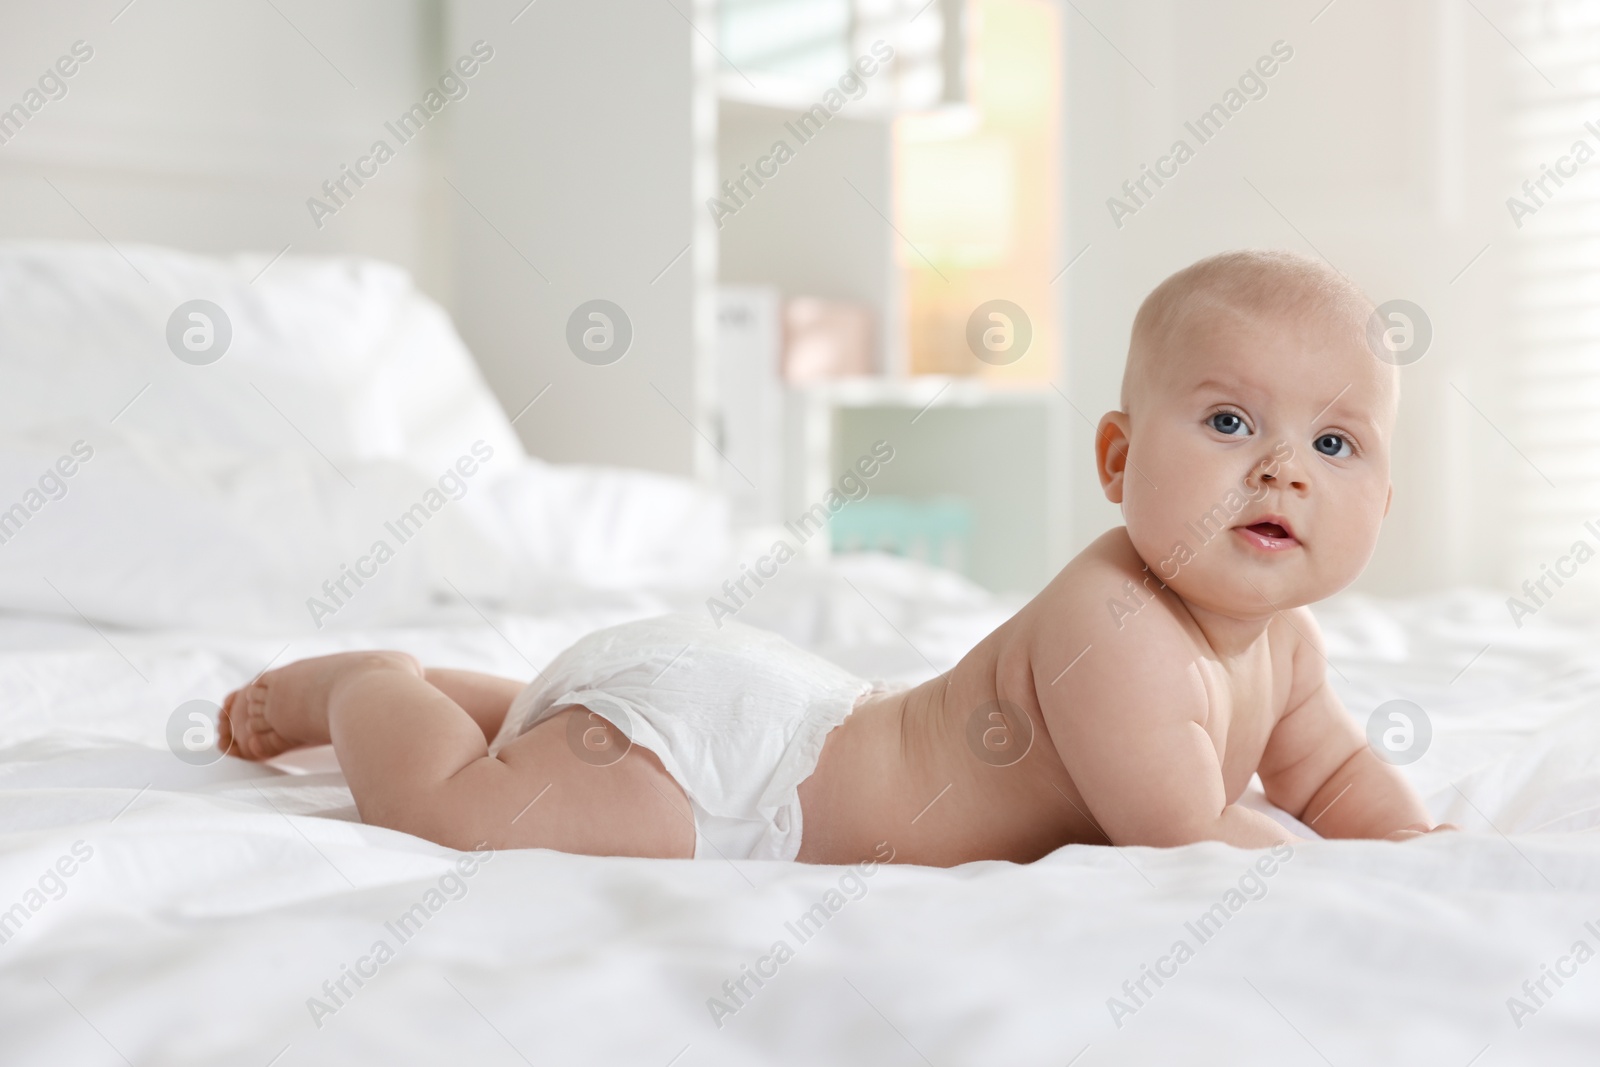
(936, 530)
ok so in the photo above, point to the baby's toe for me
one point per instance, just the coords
(224, 738)
(249, 721)
(235, 724)
(231, 727)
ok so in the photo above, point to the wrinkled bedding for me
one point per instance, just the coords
(218, 900)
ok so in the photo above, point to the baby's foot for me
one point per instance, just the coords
(288, 707)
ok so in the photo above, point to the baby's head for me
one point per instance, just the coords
(1251, 454)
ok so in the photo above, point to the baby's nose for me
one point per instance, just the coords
(1280, 470)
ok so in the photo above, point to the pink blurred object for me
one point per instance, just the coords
(825, 339)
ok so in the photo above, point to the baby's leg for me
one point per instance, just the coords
(418, 762)
(483, 696)
(288, 707)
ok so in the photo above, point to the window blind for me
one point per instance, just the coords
(1554, 198)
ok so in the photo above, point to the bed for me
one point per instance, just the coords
(160, 907)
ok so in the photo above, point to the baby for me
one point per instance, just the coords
(1129, 703)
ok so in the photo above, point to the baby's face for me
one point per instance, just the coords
(1258, 461)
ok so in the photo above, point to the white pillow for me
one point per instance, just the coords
(340, 356)
(139, 535)
(115, 527)
(222, 497)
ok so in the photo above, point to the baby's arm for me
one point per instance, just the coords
(1317, 765)
(1127, 722)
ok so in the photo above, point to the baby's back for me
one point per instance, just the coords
(963, 767)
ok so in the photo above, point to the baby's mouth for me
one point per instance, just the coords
(1269, 534)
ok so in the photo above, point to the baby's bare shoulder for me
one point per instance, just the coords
(1107, 614)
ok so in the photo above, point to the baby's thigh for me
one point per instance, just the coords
(589, 791)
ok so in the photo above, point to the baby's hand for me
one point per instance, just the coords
(1418, 830)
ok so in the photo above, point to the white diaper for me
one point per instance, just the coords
(736, 715)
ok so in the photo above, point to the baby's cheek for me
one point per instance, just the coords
(1358, 521)
(1371, 508)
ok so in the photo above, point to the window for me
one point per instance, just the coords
(1555, 302)
(976, 193)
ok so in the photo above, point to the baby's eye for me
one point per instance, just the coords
(1226, 422)
(1334, 445)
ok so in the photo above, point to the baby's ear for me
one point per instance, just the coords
(1388, 500)
(1111, 453)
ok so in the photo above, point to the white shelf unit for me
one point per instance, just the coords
(821, 227)
(1000, 449)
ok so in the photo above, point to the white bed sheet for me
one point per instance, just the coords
(218, 900)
